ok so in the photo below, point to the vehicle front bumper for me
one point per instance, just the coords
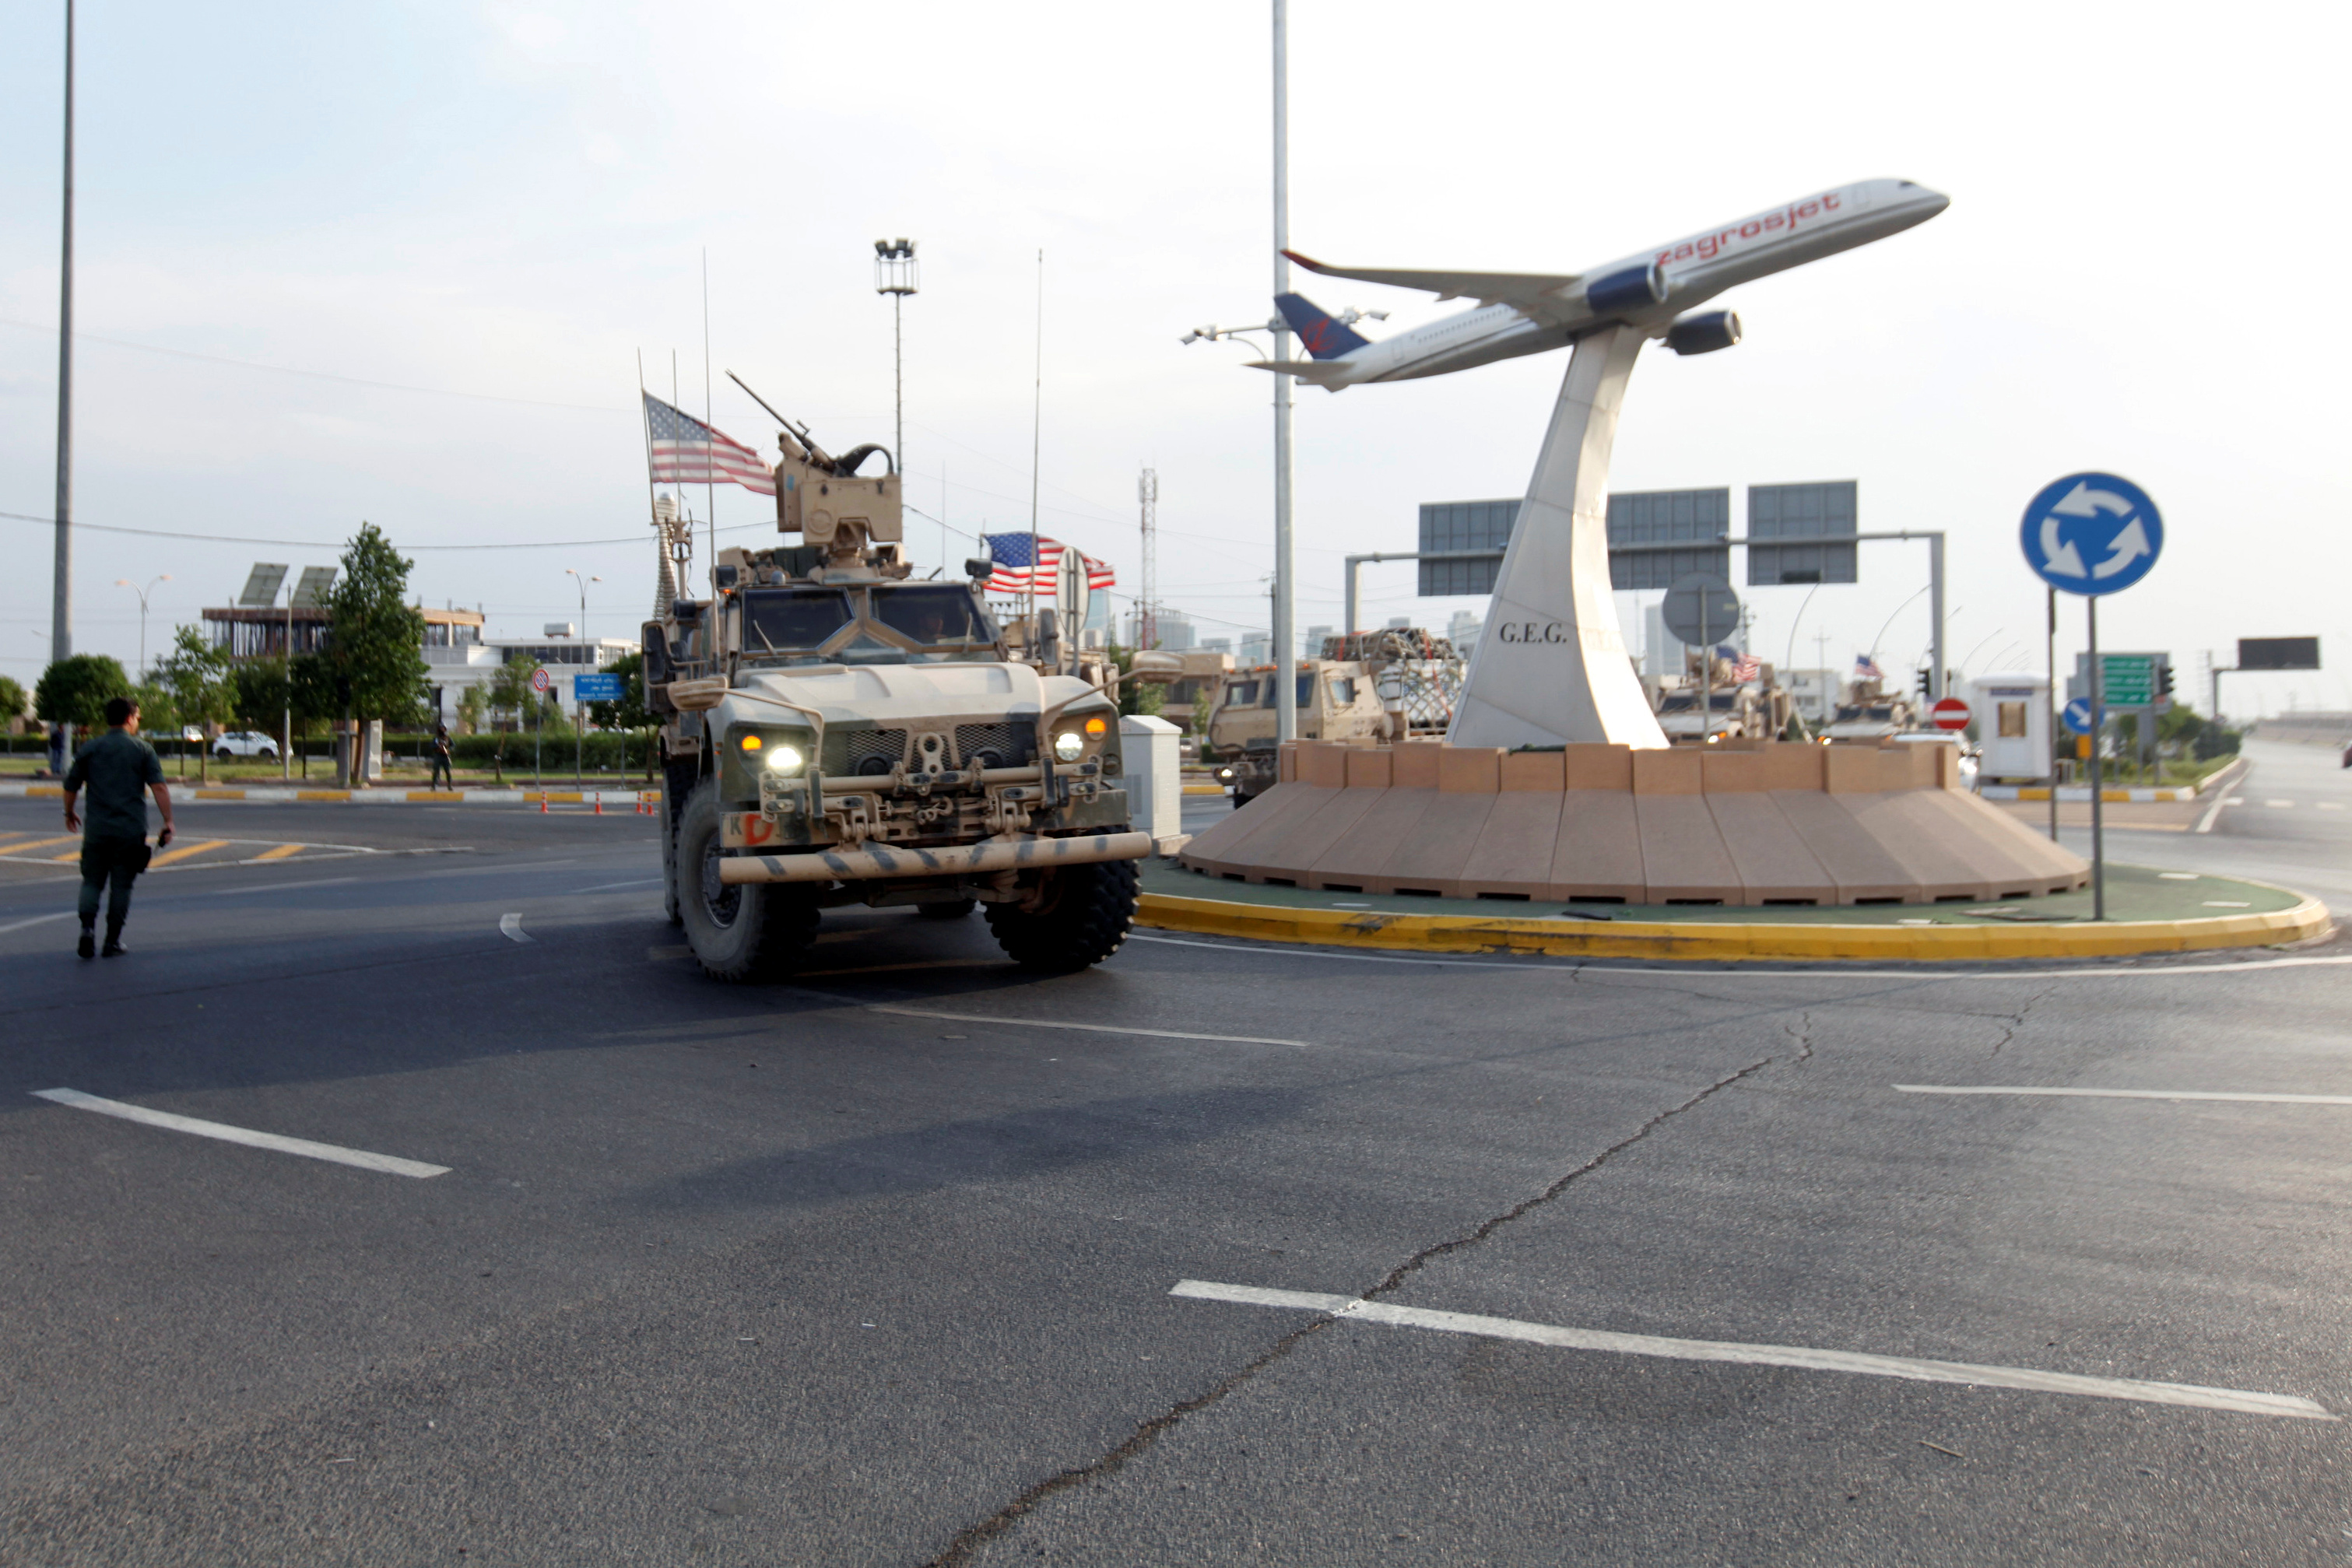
(877, 863)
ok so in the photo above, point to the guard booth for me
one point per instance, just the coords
(2014, 728)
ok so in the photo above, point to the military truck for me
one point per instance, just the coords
(1735, 710)
(836, 732)
(1869, 712)
(1399, 681)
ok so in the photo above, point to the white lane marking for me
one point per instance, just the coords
(2130, 1094)
(609, 886)
(390, 1165)
(1090, 1028)
(2227, 903)
(2329, 806)
(1537, 967)
(2279, 805)
(36, 920)
(510, 927)
(2233, 799)
(2168, 876)
(272, 887)
(1908, 1367)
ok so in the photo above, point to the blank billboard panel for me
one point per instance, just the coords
(1769, 566)
(1468, 525)
(1823, 511)
(1669, 517)
(1441, 577)
(2278, 652)
(1630, 570)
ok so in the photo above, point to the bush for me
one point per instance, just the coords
(608, 751)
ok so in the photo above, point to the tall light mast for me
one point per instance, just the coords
(1285, 643)
(895, 275)
(61, 605)
(1147, 603)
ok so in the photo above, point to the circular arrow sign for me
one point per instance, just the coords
(2077, 714)
(541, 680)
(1949, 714)
(2090, 533)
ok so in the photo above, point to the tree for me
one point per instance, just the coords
(472, 707)
(259, 694)
(74, 691)
(373, 638)
(510, 689)
(630, 712)
(197, 675)
(13, 701)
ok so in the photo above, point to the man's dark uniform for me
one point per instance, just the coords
(116, 770)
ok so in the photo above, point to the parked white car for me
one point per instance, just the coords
(243, 743)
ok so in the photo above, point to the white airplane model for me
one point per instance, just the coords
(1529, 313)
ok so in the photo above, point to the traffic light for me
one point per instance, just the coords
(2163, 682)
(1926, 686)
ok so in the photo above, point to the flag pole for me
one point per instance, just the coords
(1036, 425)
(710, 484)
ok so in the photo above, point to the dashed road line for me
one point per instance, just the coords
(1089, 1027)
(185, 851)
(2128, 1094)
(1909, 1368)
(510, 927)
(391, 1164)
(36, 920)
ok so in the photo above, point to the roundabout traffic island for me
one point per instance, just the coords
(1760, 851)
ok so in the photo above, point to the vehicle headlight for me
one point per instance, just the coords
(780, 753)
(1069, 746)
(785, 760)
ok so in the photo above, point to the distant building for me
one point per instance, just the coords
(1463, 631)
(449, 670)
(244, 633)
(1173, 631)
(1257, 648)
(1312, 646)
(1217, 645)
(1815, 692)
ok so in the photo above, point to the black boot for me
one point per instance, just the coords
(88, 946)
(114, 947)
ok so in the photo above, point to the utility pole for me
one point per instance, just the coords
(895, 275)
(1286, 643)
(61, 606)
(1146, 604)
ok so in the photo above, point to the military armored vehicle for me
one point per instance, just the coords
(1870, 712)
(1399, 681)
(836, 732)
(1759, 709)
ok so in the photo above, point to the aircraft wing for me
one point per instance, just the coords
(1535, 293)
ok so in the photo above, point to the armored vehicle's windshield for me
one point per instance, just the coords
(886, 624)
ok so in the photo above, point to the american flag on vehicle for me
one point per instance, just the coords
(1867, 668)
(1744, 666)
(685, 451)
(1016, 573)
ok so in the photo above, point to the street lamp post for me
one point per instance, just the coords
(579, 708)
(142, 593)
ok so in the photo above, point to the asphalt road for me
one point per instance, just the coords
(877, 1267)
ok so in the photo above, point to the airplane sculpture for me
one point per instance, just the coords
(1529, 313)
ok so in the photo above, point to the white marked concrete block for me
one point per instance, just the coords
(1154, 779)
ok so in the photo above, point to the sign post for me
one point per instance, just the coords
(1950, 713)
(2090, 533)
(540, 681)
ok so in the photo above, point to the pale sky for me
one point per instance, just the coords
(512, 202)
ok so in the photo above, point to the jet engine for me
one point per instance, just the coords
(1704, 331)
(1635, 288)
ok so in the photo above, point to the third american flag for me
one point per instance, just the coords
(685, 451)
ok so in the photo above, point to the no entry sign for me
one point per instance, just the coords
(1949, 714)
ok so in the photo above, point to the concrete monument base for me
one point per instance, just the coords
(1758, 823)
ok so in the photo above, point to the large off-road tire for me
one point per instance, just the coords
(737, 934)
(1083, 914)
(677, 783)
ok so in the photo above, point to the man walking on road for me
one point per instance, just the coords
(119, 770)
(440, 759)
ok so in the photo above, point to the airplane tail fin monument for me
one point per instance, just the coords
(1322, 337)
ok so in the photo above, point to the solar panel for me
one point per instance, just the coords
(312, 593)
(261, 588)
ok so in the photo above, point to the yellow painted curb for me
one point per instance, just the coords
(434, 797)
(45, 791)
(1725, 940)
(205, 793)
(1204, 788)
(322, 794)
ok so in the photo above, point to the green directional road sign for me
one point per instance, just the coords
(2128, 680)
